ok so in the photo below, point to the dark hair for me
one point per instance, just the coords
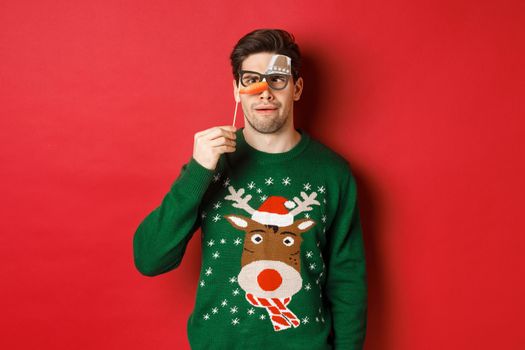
(266, 40)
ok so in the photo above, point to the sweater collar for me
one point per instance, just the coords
(265, 157)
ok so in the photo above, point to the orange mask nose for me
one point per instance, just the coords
(254, 88)
(269, 279)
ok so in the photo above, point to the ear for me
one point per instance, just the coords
(244, 223)
(236, 92)
(298, 89)
(302, 225)
(238, 221)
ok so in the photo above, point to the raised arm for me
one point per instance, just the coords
(162, 237)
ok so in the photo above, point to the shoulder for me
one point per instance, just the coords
(327, 158)
(336, 172)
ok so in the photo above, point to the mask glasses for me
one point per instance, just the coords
(276, 81)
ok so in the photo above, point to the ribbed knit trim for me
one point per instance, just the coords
(265, 157)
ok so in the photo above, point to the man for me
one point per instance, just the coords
(283, 263)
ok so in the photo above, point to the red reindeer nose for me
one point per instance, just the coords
(269, 279)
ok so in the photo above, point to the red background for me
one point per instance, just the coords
(99, 101)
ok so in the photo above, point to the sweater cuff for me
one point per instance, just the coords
(195, 178)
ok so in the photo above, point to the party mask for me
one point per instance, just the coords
(276, 76)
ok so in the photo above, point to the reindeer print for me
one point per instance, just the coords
(271, 260)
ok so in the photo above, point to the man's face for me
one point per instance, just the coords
(269, 110)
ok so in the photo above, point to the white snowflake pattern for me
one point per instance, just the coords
(312, 266)
(233, 279)
(234, 309)
(259, 191)
(308, 286)
(251, 311)
(209, 271)
(309, 254)
(323, 219)
(236, 291)
(202, 283)
(235, 321)
(237, 241)
(203, 215)
(223, 241)
(321, 189)
(214, 310)
(317, 319)
(251, 185)
(216, 177)
(268, 181)
(217, 205)
(306, 320)
(306, 215)
(287, 181)
(307, 186)
(263, 198)
(210, 243)
(224, 303)
(216, 255)
(216, 218)
(206, 317)
(324, 200)
(226, 182)
(262, 317)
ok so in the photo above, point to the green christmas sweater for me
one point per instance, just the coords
(283, 262)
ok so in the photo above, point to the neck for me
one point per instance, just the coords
(280, 141)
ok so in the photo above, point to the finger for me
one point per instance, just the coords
(221, 140)
(229, 129)
(212, 132)
(219, 132)
(225, 148)
(207, 131)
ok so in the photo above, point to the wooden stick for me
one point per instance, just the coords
(235, 113)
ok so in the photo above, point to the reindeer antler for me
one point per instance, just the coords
(241, 203)
(305, 204)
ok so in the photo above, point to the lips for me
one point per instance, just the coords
(265, 108)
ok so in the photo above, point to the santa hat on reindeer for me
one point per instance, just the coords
(275, 211)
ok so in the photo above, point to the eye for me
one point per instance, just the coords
(257, 238)
(278, 78)
(248, 79)
(288, 241)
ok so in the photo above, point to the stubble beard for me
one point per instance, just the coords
(266, 124)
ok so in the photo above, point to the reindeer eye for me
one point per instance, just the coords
(257, 238)
(288, 241)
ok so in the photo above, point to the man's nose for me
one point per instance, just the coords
(266, 94)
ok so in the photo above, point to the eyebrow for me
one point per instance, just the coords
(288, 232)
(250, 71)
(257, 231)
